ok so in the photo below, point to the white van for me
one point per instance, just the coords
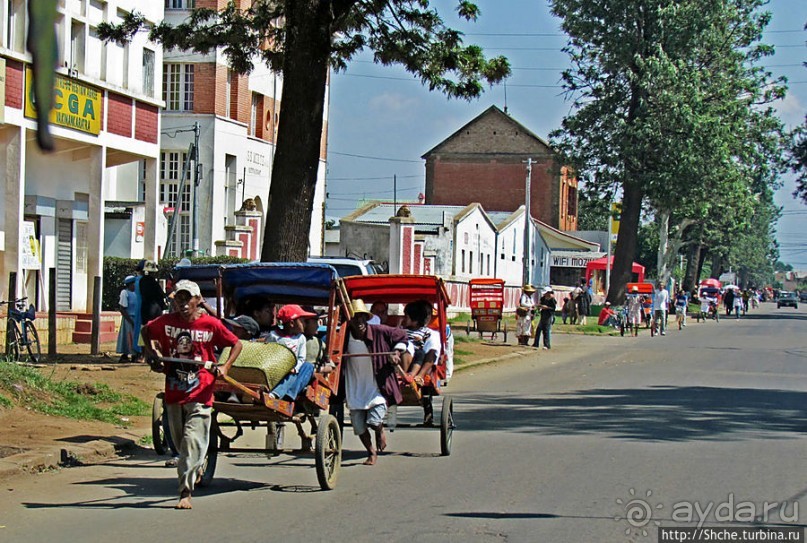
(346, 266)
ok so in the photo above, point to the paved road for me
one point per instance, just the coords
(551, 447)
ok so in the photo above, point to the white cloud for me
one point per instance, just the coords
(393, 103)
(791, 110)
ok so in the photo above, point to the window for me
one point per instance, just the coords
(228, 94)
(178, 87)
(77, 49)
(488, 264)
(572, 202)
(171, 164)
(148, 72)
(253, 114)
(96, 55)
(15, 34)
(471, 262)
(179, 4)
(462, 269)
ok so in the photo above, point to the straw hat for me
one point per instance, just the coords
(528, 288)
(357, 306)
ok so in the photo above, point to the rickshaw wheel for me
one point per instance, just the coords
(209, 465)
(328, 451)
(158, 437)
(446, 426)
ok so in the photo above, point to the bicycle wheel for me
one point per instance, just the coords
(32, 343)
(13, 340)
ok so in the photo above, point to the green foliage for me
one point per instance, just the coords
(593, 210)
(306, 37)
(29, 387)
(798, 159)
(116, 269)
(673, 107)
(5, 402)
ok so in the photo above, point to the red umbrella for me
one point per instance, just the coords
(711, 282)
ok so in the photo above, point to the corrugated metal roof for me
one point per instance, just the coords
(422, 214)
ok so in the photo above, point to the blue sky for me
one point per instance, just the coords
(382, 120)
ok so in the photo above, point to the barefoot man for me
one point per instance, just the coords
(371, 384)
(192, 334)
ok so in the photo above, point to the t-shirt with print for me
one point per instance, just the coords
(425, 339)
(295, 343)
(178, 338)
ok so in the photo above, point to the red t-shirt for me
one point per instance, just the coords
(178, 338)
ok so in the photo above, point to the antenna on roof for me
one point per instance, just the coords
(505, 96)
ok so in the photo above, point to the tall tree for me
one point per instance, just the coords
(302, 38)
(660, 87)
(798, 160)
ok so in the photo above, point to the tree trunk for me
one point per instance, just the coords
(701, 261)
(626, 242)
(669, 246)
(717, 266)
(662, 257)
(305, 73)
(692, 274)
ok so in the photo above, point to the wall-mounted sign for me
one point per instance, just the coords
(573, 259)
(75, 105)
(140, 231)
(29, 247)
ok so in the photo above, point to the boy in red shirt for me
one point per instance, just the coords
(189, 333)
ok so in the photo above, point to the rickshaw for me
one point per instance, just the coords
(645, 290)
(486, 300)
(242, 397)
(403, 289)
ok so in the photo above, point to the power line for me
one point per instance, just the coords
(375, 157)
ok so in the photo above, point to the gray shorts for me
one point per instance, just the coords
(362, 418)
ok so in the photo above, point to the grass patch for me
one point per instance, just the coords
(146, 441)
(5, 402)
(585, 329)
(81, 401)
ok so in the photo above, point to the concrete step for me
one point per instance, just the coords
(86, 326)
(86, 337)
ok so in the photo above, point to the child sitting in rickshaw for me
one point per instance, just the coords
(292, 317)
(425, 341)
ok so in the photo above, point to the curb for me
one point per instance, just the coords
(486, 361)
(55, 457)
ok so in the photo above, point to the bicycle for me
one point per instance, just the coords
(21, 332)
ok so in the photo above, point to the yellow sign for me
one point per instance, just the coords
(616, 215)
(75, 105)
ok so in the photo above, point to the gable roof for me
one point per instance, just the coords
(492, 114)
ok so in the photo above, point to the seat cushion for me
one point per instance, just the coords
(261, 363)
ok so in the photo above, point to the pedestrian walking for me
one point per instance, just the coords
(634, 304)
(524, 314)
(546, 305)
(127, 305)
(661, 304)
(583, 302)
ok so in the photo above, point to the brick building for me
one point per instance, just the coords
(484, 161)
(238, 117)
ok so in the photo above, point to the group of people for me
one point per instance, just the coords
(141, 300)
(185, 342)
(528, 307)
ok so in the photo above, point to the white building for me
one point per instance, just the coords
(238, 117)
(106, 125)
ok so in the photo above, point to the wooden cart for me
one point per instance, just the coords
(486, 300)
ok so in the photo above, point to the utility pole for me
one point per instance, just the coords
(197, 177)
(527, 223)
(395, 193)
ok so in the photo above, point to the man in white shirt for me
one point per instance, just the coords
(370, 381)
(661, 303)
